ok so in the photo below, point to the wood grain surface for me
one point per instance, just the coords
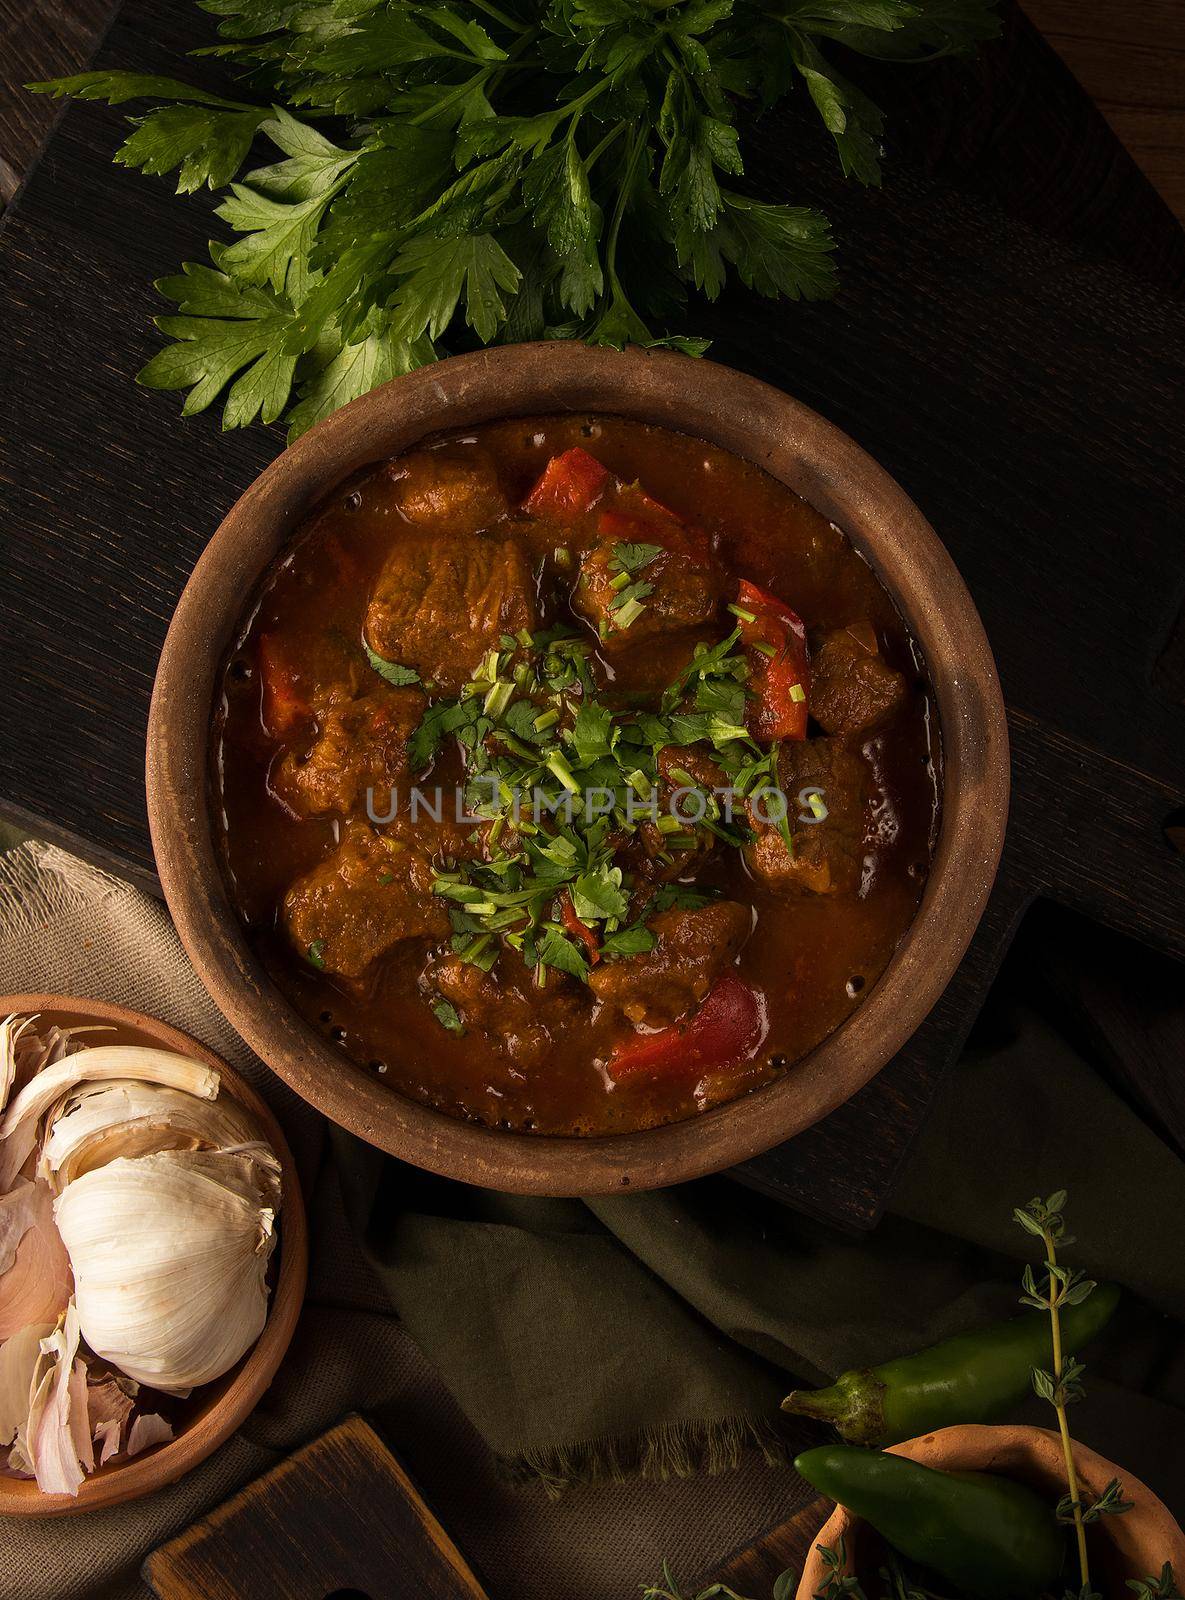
(339, 1520)
(1131, 59)
(1008, 342)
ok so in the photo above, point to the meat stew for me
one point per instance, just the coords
(574, 775)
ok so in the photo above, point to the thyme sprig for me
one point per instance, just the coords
(1063, 1286)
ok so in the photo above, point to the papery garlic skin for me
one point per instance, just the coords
(95, 1122)
(35, 1280)
(18, 1126)
(170, 1256)
(57, 1451)
(19, 1357)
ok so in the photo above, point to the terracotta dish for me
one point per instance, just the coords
(1134, 1545)
(706, 402)
(214, 1411)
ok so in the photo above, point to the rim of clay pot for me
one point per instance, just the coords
(225, 1404)
(1138, 1543)
(707, 401)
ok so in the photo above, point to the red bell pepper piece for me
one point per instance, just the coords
(780, 680)
(571, 485)
(726, 1030)
(282, 705)
(654, 524)
(579, 929)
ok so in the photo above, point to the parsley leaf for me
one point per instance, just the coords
(448, 1016)
(554, 949)
(391, 670)
(633, 557)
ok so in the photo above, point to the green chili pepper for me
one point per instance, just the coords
(992, 1538)
(975, 1377)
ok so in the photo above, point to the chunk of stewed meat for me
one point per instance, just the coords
(692, 948)
(673, 592)
(674, 852)
(360, 745)
(828, 854)
(853, 688)
(439, 607)
(451, 496)
(494, 1003)
(366, 897)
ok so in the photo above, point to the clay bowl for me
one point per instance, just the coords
(215, 1410)
(695, 397)
(1135, 1545)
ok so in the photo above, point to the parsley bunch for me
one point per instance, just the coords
(472, 170)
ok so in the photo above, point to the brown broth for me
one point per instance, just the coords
(815, 957)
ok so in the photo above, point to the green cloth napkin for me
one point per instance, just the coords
(658, 1332)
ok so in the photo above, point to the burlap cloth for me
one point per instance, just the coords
(66, 928)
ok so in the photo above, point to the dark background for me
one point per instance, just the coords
(1008, 342)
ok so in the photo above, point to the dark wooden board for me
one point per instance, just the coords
(339, 1520)
(1009, 342)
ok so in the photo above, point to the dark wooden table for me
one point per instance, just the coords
(1009, 342)
(1130, 59)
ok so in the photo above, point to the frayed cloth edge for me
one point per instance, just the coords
(668, 1450)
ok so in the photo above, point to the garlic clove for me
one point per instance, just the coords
(35, 1280)
(18, 1360)
(95, 1122)
(170, 1256)
(29, 1105)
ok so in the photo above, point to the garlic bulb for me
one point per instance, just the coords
(95, 1122)
(170, 1256)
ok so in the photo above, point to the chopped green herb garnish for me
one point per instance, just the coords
(391, 670)
(630, 558)
(447, 1015)
(316, 954)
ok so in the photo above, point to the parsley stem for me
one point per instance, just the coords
(460, 92)
(637, 145)
(598, 150)
(500, 16)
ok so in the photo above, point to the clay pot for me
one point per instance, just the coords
(708, 402)
(1134, 1545)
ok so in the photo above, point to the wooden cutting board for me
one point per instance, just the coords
(754, 1569)
(339, 1520)
(1008, 342)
